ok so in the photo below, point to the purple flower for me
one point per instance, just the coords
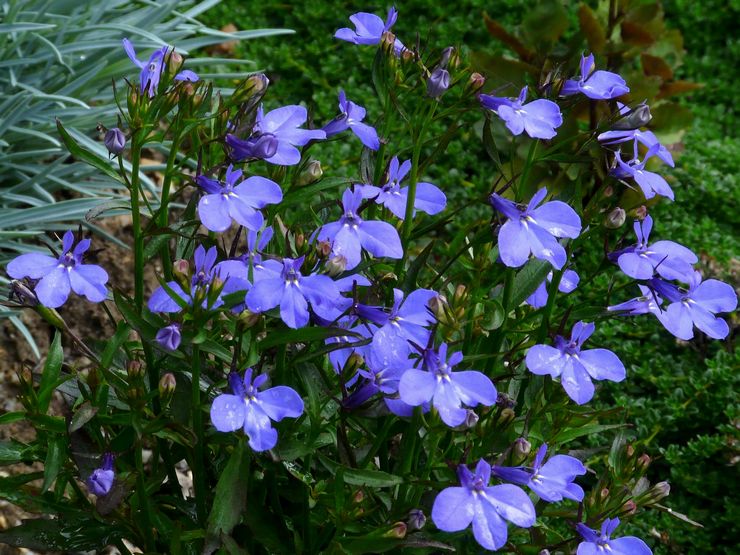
(58, 275)
(538, 118)
(576, 368)
(205, 272)
(369, 29)
(115, 141)
(292, 291)
(169, 337)
(101, 480)
(552, 481)
(275, 137)
(429, 198)
(350, 117)
(598, 85)
(651, 183)
(646, 138)
(448, 391)
(151, 71)
(241, 201)
(568, 283)
(487, 507)
(598, 544)
(350, 234)
(648, 302)
(533, 230)
(252, 409)
(407, 319)
(641, 261)
(438, 83)
(697, 306)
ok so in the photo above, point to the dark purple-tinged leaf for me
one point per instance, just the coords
(498, 31)
(592, 29)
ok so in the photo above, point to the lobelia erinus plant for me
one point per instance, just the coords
(338, 420)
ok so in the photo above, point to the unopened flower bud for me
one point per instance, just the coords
(354, 361)
(115, 141)
(641, 212)
(616, 218)
(521, 449)
(134, 369)
(504, 401)
(311, 174)
(181, 271)
(643, 461)
(398, 531)
(438, 83)
(507, 415)
(656, 493)
(544, 552)
(167, 385)
(461, 294)
(169, 337)
(300, 240)
(20, 291)
(358, 497)
(604, 493)
(630, 451)
(639, 116)
(336, 265)
(257, 84)
(448, 55)
(323, 249)
(417, 519)
(609, 191)
(439, 307)
(629, 507)
(475, 83)
(471, 419)
(407, 55)
(101, 480)
(248, 318)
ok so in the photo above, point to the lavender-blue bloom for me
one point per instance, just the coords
(487, 507)
(598, 544)
(696, 306)
(58, 275)
(429, 198)
(350, 117)
(151, 71)
(538, 118)
(448, 391)
(598, 85)
(241, 201)
(576, 368)
(350, 234)
(252, 409)
(641, 261)
(369, 29)
(530, 229)
(169, 337)
(651, 183)
(438, 83)
(646, 138)
(292, 291)
(648, 302)
(552, 481)
(101, 480)
(568, 283)
(275, 137)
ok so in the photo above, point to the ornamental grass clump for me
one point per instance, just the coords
(344, 348)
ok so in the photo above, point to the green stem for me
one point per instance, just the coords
(163, 214)
(143, 497)
(136, 224)
(199, 484)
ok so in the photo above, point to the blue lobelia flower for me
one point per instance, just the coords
(486, 507)
(252, 409)
(696, 306)
(568, 283)
(641, 261)
(240, 201)
(429, 198)
(446, 390)
(350, 234)
(576, 368)
(645, 138)
(292, 291)
(598, 85)
(538, 118)
(598, 544)
(151, 71)
(438, 83)
(530, 229)
(648, 303)
(350, 117)
(552, 481)
(275, 136)
(58, 275)
(651, 183)
(203, 277)
(369, 29)
(169, 337)
(101, 480)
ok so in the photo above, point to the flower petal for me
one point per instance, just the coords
(416, 387)
(228, 413)
(265, 294)
(53, 289)
(558, 219)
(453, 509)
(474, 387)
(513, 244)
(715, 296)
(262, 436)
(279, 402)
(544, 360)
(512, 503)
(602, 364)
(213, 211)
(367, 135)
(89, 280)
(33, 265)
(576, 382)
(380, 239)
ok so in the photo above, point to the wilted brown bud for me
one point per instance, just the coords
(323, 249)
(439, 307)
(630, 451)
(641, 212)
(629, 507)
(609, 191)
(616, 218)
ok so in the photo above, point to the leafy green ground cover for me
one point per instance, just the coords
(681, 397)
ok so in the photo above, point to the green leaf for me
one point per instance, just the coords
(591, 429)
(371, 478)
(11, 452)
(230, 497)
(303, 335)
(122, 333)
(82, 416)
(86, 156)
(54, 460)
(50, 375)
(528, 279)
